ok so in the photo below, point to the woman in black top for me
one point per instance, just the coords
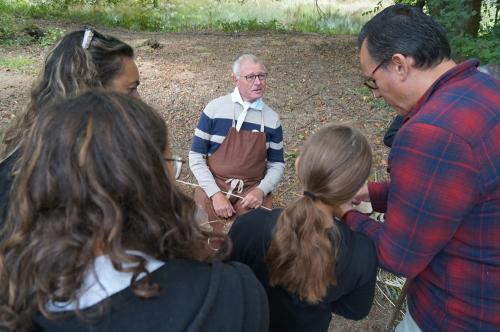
(310, 263)
(99, 238)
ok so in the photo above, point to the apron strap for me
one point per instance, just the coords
(234, 115)
(262, 121)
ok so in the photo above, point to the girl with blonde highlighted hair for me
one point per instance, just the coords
(309, 262)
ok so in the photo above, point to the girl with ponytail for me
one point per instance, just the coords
(309, 262)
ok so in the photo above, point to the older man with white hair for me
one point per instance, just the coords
(238, 146)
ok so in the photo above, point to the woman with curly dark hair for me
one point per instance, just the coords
(310, 263)
(81, 60)
(98, 237)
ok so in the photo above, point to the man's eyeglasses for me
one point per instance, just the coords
(177, 163)
(251, 78)
(370, 82)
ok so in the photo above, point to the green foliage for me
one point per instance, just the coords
(486, 46)
(19, 63)
(378, 7)
(13, 31)
(330, 22)
(374, 103)
(218, 15)
(51, 36)
(247, 25)
(7, 28)
(453, 15)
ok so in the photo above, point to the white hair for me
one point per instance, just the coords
(242, 58)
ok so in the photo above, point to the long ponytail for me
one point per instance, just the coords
(334, 163)
(301, 254)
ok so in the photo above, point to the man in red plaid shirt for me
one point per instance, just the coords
(442, 204)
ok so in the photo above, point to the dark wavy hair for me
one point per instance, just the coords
(91, 179)
(333, 165)
(406, 30)
(69, 69)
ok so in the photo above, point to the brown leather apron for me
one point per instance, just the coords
(242, 155)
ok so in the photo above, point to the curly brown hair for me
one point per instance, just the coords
(91, 179)
(334, 163)
(69, 69)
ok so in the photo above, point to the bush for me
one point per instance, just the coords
(467, 40)
(482, 43)
(51, 36)
(179, 15)
(8, 28)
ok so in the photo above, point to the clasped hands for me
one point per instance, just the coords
(224, 209)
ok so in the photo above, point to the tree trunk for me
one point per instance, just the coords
(496, 13)
(471, 27)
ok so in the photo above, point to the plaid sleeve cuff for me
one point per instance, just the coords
(354, 219)
(378, 195)
(360, 222)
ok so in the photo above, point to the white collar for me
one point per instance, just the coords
(101, 280)
(257, 104)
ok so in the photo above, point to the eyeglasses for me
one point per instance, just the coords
(251, 78)
(370, 82)
(177, 163)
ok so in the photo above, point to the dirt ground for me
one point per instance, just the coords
(313, 80)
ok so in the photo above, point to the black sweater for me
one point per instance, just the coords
(195, 297)
(356, 271)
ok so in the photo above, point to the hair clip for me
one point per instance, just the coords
(87, 38)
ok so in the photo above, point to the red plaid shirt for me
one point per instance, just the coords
(442, 205)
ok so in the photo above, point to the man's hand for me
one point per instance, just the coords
(223, 208)
(340, 210)
(362, 195)
(253, 199)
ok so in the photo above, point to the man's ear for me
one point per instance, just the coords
(235, 79)
(402, 65)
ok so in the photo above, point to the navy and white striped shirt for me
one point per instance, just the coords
(213, 126)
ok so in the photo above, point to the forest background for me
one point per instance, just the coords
(184, 50)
